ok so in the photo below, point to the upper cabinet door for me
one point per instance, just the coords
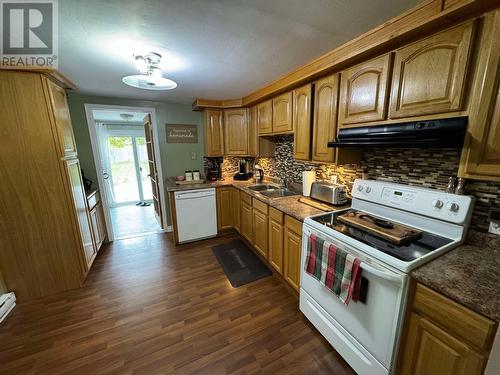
(364, 91)
(282, 113)
(325, 118)
(59, 106)
(236, 131)
(302, 122)
(265, 117)
(214, 133)
(253, 137)
(481, 153)
(430, 75)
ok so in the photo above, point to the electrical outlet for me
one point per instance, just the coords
(494, 222)
(193, 155)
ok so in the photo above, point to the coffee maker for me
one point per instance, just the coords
(243, 173)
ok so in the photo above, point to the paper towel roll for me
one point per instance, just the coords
(308, 177)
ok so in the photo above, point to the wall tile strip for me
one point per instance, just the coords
(417, 167)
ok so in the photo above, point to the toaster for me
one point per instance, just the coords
(329, 193)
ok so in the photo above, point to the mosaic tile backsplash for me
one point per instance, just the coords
(418, 167)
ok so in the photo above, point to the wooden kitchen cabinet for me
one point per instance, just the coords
(429, 75)
(236, 132)
(302, 122)
(291, 251)
(253, 134)
(283, 113)
(246, 224)
(213, 132)
(444, 337)
(235, 206)
(325, 118)
(276, 239)
(265, 117)
(62, 119)
(481, 152)
(224, 208)
(260, 227)
(97, 221)
(364, 91)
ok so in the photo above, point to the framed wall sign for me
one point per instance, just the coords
(181, 133)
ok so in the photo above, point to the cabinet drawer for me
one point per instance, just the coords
(93, 199)
(276, 215)
(456, 318)
(246, 198)
(293, 224)
(258, 205)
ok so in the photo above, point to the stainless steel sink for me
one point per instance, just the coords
(278, 193)
(263, 187)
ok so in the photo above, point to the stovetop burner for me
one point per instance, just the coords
(407, 251)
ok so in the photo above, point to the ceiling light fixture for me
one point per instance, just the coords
(126, 116)
(151, 76)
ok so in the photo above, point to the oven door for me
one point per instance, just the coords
(366, 332)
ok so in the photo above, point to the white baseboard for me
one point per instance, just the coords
(7, 303)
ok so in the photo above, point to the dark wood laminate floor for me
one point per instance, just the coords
(149, 307)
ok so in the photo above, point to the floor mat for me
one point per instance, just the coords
(240, 263)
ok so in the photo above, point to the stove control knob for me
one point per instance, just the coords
(452, 207)
(368, 189)
(437, 203)
(360, 187)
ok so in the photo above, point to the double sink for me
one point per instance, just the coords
(271, 191)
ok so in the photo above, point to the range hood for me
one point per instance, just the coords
(442, 133)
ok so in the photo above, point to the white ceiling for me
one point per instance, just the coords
(216, 49)
(112, 116)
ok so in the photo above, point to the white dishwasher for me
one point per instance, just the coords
(196, 214)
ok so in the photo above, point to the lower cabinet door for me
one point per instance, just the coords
(235, 197)
(430, 350)
(224, 209)
(291, 251)
(80, 201)
(276, 245)
(260, 232)
(98, 225)
(246, 221)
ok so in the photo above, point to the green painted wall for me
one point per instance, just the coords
(175, 158)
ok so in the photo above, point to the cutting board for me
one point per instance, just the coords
(397, 234)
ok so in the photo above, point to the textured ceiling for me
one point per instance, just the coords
(216, 49)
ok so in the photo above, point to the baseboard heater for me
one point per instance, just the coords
(7, 303)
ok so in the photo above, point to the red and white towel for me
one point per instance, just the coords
(336, 269)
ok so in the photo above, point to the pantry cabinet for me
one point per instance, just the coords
(236, 132)
(282, 113)
(224, 208)
(481, 153)
(364, 91)
(246, 224)
(265, 117)
(430, 75)
(444, 337)
(292, 251)
(235, 206)
(213, 132)
(276, 239)
(302, 122)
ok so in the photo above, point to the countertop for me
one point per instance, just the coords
(289, 205)
(468, 274)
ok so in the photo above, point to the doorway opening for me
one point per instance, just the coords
(123, 142)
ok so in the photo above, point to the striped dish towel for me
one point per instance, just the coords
(337, 270)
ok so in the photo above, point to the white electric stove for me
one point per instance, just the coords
(366, 333)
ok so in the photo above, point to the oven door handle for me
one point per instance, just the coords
(391, 277)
